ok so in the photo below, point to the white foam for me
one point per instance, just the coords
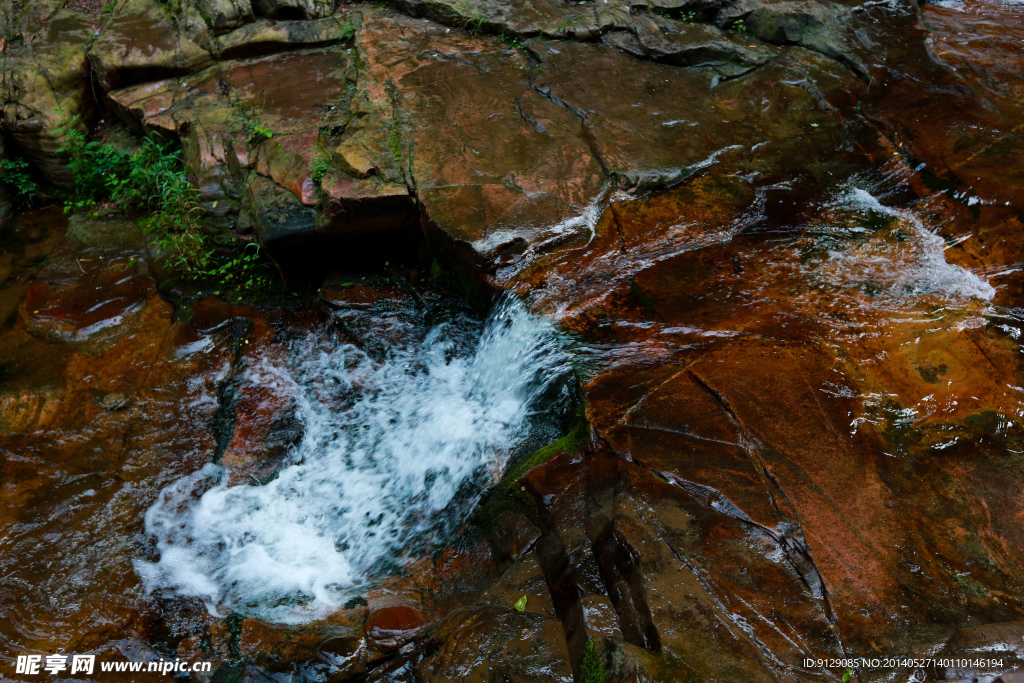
(376, 480)
(905, 262)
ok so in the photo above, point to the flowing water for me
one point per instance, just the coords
(394, 455)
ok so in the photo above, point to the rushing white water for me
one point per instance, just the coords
(374, 482)
(903, 261)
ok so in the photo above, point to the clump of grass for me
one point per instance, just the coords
(149, 180)
(255, 131)
(347, 32)
(592, 668)
(151, 183)
(740, 26)
(321, 164)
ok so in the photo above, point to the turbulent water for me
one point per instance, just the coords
(900, 260)
(394, 455)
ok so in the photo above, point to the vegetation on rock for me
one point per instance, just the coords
(592, 668)
(150, 182)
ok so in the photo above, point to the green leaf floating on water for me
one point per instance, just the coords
(521, 604)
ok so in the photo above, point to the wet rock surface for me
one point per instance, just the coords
(784, 236)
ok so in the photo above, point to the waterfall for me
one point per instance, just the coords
(395, 454)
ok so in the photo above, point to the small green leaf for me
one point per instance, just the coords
(847, 675)
(521, 604)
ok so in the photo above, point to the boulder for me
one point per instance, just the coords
(251, 129)
(147, 40)
(494, 162)
(224, 15)
(43, 83)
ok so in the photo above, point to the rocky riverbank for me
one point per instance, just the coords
(783, 238)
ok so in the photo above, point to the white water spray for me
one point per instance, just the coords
(374, 483)
(904, 262)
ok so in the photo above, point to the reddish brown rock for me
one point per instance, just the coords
(95, 287)
(365, 206)
(494, 162)
(477, 643)
(965, 124)
(27, 411)
(393, 626)
(265, 426)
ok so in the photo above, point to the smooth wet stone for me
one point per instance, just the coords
(275, 646)
(478, 643)
(95, 289)
(265, 424)
(392, 626)
(92, 469)
(365, 296)
(973, 151)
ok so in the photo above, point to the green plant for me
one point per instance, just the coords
(347, 32)
(512, 41)
(592, 667)
(151, 182)
(740, 26)
(565, 24)
(687, 16)
(395, 143)
(255, 131)
(848, 675)
(520, 604)
(472, 18)
(16, 176)
(150, 179)
(321, 164)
